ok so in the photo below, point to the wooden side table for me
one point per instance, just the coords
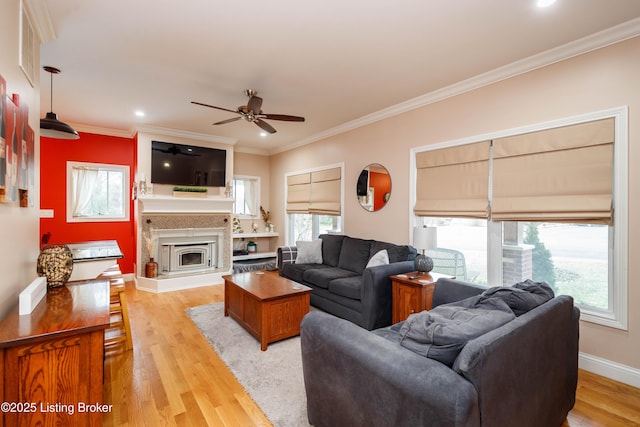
(412, 295)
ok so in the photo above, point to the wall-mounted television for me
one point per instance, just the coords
(178, 164)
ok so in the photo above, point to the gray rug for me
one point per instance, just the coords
(273, 378)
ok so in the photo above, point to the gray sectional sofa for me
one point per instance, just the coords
(522, 373)
(341, 282)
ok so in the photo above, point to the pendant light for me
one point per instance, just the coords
(50, 126)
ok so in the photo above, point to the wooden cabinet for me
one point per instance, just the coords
(412, 295)
(52, 359)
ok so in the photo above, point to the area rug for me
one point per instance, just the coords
(272, 378)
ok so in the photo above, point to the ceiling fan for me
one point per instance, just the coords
(252, 113)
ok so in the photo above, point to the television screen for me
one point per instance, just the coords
(177, 164)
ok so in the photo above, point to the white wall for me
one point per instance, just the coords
(19, 227)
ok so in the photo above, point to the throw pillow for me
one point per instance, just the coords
(381, 258)
(309, 252)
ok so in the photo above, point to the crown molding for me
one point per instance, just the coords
(186, 134)
(252, 150)
(40, 19)
(122, 133)
(619, 33)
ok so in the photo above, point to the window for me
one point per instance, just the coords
(586, 259)
(97, 192)
(310, 226)
(246, 193)
(314, 203)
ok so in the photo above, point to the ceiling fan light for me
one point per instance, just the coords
(51, 127)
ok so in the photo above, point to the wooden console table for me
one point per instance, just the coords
(412, 295)
(52, 359)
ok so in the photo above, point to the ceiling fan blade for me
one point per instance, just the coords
(213, 106)
(222, 122)
(254, 104)
(264, 126)
(282, 117)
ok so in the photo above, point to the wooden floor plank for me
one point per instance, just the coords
(172, 377)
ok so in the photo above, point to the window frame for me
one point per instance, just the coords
(124, 169)
(617, 317)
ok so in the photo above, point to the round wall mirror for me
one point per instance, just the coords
(374, 187)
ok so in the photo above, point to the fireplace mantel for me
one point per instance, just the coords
(170, 204)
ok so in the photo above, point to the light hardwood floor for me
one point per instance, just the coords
(174, 378)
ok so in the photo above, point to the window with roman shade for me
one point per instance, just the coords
(325, 192)
(453, 181)
(298, 193)
(561, 174)
(317, 192)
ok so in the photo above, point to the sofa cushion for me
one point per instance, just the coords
(350, 287)
(523, 296)
(380, 258)
(331, 246)
(355, 254)
(295, 272)
(396, 253)
(309, 252)
(442, 332)
(322, 276)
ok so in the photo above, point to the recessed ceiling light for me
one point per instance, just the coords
(263, 134)
(140, 113)
(545, 3)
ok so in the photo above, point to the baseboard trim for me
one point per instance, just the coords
(606, 368)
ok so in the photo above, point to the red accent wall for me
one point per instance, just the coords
(382, 183)
(54, 154)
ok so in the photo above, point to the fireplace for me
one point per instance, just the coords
(188, 250)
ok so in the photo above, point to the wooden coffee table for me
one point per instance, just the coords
(267, 305)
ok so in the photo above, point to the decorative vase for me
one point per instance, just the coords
(151, 269)
(55, 262)
(423, 263)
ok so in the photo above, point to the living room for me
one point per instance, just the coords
(595, 80)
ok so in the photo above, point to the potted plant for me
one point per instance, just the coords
(179, 191)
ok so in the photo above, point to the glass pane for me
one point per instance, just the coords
(462, 248)
(573, 259)
(328, 224)
(301, 227)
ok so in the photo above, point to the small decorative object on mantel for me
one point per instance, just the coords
(55, 262)
(189, 192)
(266, 217)
(424, 238)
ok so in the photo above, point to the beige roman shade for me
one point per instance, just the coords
(453, 182)
(298, 193)
(561, 174)
(325, 192)
(317, 192)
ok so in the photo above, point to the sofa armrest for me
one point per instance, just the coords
(376, 292)
(452, 290)
(355, 378)
(534, 358)
(286, 255)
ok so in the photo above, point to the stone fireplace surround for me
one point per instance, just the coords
(170, 213)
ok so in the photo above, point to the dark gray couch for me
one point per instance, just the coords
(342, 285)
(523, 373)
